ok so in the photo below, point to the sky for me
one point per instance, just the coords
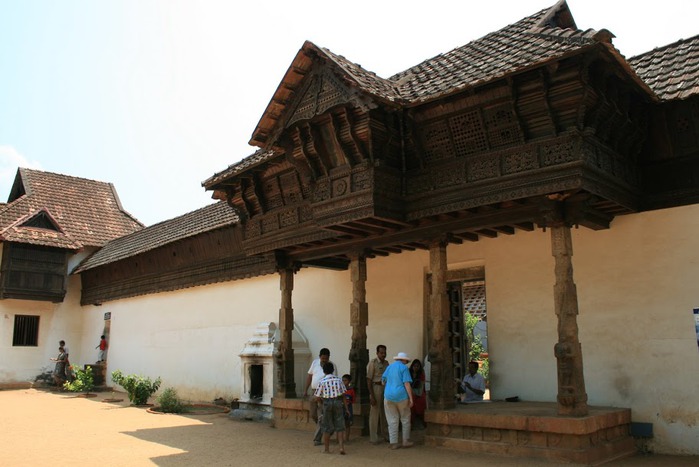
(156, 96)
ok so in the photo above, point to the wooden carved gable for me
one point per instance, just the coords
(326, 126)
(323, 90)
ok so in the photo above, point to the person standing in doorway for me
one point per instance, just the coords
(473, 384)
(315, 374)
(377, 412)
(398, 399)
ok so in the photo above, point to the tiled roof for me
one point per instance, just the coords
(672, 71)
(202, 220)
(549, 34)
(526, 43)
(21, 233)
(87, 212)
(252, 160)
(365, 79)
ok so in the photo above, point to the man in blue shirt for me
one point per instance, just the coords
(398, 399)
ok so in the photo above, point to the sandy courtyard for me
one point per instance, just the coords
(43, 428)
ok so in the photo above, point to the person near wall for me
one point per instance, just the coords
(377, 412)
(473, 384)
(102, 356)
(331, 394)
(59, 371)
(417, 411)
(398, 399)
(68, 369)
(315, 374)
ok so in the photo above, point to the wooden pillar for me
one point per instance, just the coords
(572, 398)
(359, 320)
(286, 387)
(442, 386)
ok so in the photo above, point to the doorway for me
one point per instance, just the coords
(468, 327)
(468, 323)
(475, 315)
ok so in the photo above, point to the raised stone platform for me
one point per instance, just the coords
(252, 411)
(292, 414)
(532, 429)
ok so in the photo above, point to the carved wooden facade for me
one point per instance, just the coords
(32, 272)
(352, 166)
(207, 258)
(342, 170)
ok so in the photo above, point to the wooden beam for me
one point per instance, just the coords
(377, 252)
(421, 233)
(506, 229)
(366, 227)
(488, 233)
(470, 236)
(347, 230)
(528, 226)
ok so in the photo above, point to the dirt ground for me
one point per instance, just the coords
(40, 427)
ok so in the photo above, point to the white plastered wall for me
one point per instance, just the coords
(636, 286)
(636, 291)
(192, 338)
(57, 321)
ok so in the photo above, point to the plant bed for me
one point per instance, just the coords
(111, 399)
(194, 409)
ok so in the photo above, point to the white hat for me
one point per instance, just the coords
(402, 356)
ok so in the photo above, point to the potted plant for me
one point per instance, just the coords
(139, 388)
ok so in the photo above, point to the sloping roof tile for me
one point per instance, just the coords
(528, 42)
(672, 71)
(531, 41)
(19, 233)
(258, 157)
(365, 79)
(202, 220)
(88, 212)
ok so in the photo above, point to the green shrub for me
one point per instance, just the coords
(84, 381)
(139, 388)
(169, 402)
(475, 346)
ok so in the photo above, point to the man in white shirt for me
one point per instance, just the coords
(315, 374)
(473, 384)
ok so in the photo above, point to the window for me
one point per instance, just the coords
(26, 332)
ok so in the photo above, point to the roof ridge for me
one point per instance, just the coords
(25, 169)
(348, 65)
(521, 21)
(663, 47)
